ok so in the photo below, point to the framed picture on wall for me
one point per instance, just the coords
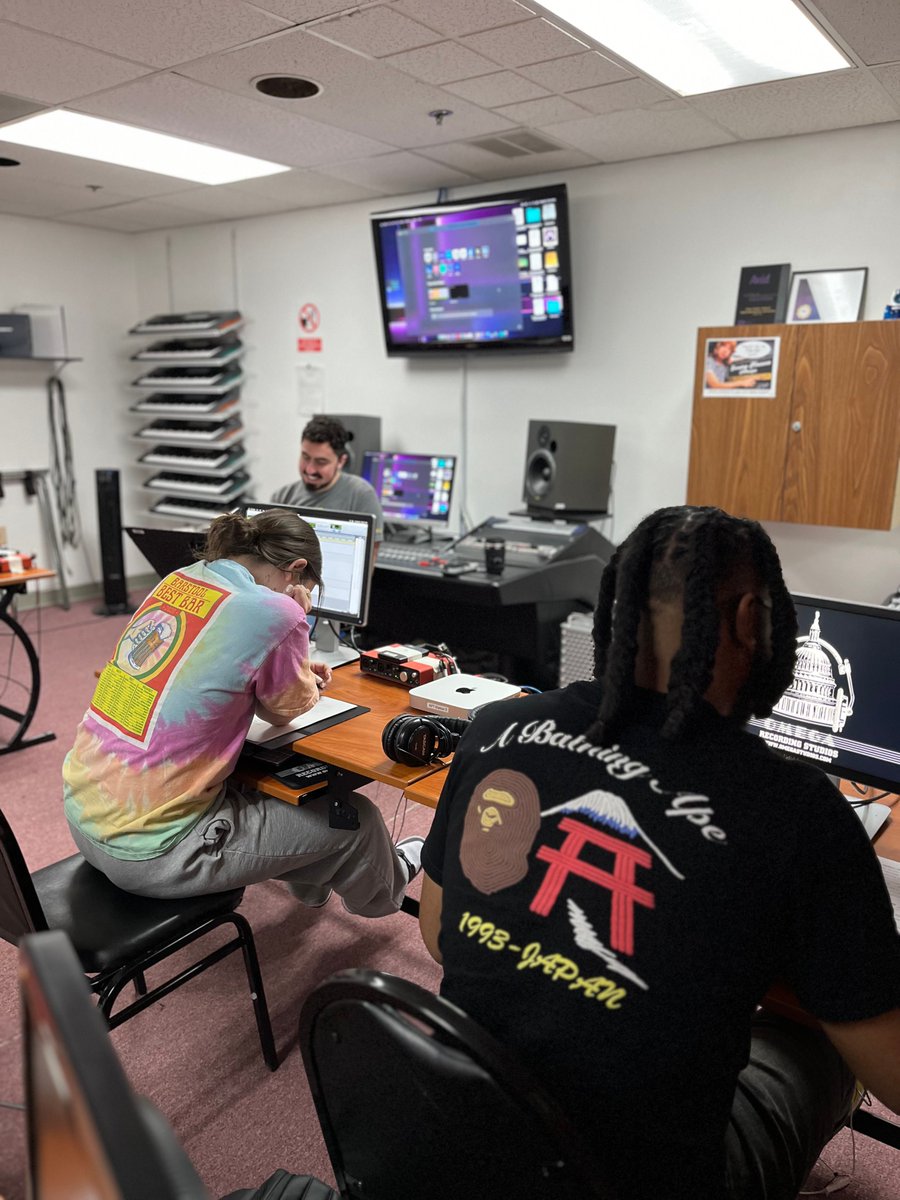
(835, 295)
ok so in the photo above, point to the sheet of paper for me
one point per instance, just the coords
(261, 731)
(891, 872)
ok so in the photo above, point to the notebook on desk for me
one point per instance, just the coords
(325, 713)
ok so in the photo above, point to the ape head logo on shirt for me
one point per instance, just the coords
(502, 820)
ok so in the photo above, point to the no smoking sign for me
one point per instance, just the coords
(309, 319)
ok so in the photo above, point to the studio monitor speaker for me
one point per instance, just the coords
(365, 434)
(568, 467)
(112, 559)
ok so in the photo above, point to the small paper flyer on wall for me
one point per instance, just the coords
(741, 365)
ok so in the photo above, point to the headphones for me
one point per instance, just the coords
(416, 741)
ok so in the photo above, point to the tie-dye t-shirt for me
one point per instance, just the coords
(173, 705)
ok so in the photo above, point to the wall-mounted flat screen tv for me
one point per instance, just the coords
(490, 273)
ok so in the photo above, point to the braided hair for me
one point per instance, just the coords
(275, 535)
(686, 554)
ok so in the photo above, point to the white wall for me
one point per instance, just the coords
(658, 246)
(91, 273)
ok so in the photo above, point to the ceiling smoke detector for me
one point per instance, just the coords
(438, 114)
(287, 87)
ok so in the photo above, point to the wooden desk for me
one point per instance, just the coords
(427, 791)
(12, 584)
(353, 747)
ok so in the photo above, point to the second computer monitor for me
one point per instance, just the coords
(414, 489)
(348, 546)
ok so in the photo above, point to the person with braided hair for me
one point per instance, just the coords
(148, 794)
(676, 868)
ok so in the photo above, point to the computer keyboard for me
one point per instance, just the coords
(213, 380)
(202, 485)
(192, 509)
(219, 433)
(190, 349)
(192, 322)
(196, 458)
(177, 404)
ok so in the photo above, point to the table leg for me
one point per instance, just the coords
(19, 740)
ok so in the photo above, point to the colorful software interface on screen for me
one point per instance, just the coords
(480, 274)
(411, 487)
(840, 711)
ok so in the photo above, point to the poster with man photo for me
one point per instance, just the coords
(741, 365)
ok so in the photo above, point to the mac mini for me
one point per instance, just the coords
(459, 695)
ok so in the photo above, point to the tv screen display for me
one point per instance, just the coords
(840, 711)
(491, 273)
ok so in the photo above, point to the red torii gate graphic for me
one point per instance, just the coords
(625, 892)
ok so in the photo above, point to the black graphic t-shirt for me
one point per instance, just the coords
(616, 914)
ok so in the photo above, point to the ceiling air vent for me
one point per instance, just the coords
(515, 145)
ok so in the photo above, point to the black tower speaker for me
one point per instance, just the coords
(365, 434)
(568, 467)
(112, 560)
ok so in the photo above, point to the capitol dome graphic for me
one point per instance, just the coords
(814, 696)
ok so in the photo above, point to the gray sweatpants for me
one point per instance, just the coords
(246, 837)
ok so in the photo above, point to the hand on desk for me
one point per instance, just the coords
(323, 673)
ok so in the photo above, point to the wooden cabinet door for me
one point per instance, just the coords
(841, 464)
(739, 442)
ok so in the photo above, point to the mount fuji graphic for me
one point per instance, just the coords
(605, 808)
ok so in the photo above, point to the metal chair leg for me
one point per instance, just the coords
(140, 984)
(257, 991)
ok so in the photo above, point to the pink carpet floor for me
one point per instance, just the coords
(196, 1053)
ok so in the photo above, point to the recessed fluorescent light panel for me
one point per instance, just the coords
(126, 146)
(695, 46)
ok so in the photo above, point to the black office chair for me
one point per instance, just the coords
(88, 1132)
(416, 1099)
(118, 936)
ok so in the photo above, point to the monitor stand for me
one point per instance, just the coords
(325, 647)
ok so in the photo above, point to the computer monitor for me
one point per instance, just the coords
(840, 711)
(414, 489)
(89, 1135)
(348, 548)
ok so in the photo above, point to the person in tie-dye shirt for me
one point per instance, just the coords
(147, 791)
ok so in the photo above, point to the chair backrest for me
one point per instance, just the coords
(20, 908)
(88, 1133)
(416, 1099)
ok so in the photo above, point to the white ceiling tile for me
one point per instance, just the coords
(504, 87)
(785, 107)
(464, 16)
(299, 12)
(38, 67)
(484, 165)
(576, 71)
(376, 31)
(358, 94)
(138, 216)
(225, 202)
(394, 174)
(540, 112)
(630, 93)
(870, 27)
(12, 108)
(530, 42)
(29, 196)
(157, 32)
(640, 133)
(182, 106)
(444, 62)
(306, 189)
(889, 78)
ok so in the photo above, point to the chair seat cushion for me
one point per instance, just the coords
(109, 927)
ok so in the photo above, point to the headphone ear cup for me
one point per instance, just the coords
(456, 727)
(389, 738)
